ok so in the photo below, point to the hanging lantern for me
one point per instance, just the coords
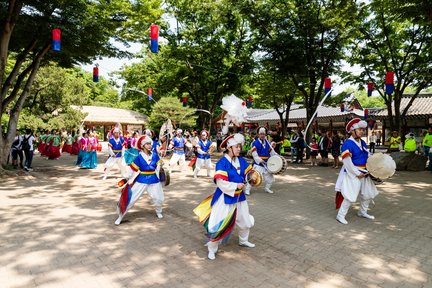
(95, 74)
(154, 35)
(56, 37)
(371, 124)
(150, 93)
(366, 113)
(249, 101)
(389, 82)
(370, 86)
(342, 107)
(184, 101)
(327, 85)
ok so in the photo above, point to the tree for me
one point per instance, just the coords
(303, 40)
(206, 57)
(279, 91)
(171, 108)
(87, 28)
(388, 41)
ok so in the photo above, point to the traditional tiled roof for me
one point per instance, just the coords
(421, 107)
(299, 114)
(108, 115)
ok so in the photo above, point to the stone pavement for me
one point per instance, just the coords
(57, 230)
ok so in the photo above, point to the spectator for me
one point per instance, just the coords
(427, 141)
(277, 138)
(410, 145)
(16, 151)
(335, 149)
(378, 140)
(300, 148)
(294, 138)
(314, 151)
(394, 140)
(27, 146)
(372, 141)
(324, 147)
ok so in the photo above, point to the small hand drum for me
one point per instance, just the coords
(276, 164)
(254, 178)
(381, 166)
(164, 177)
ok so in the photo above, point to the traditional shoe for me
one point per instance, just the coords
(118, 221)
(104, 177)
(247, 244)
(211, 255)
(247, 192)
(159, 215)
(365, 215)
(341, 220)
(268, 190)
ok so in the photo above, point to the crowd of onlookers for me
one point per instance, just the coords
(292, 145)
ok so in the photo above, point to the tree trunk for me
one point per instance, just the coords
(7, 139)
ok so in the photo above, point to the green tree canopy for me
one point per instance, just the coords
(88, 30)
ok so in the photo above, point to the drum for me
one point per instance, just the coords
(212, 147)
(276, 164)
(254, 178)
(164, 177)
(381, 166)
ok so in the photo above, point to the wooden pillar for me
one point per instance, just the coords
(331, 127)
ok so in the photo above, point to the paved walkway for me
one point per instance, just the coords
(57, 230)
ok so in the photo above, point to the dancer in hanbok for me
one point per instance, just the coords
(133, 151)
(227, 206)
(90, 155)
(75, 143)
(144, 178)
(178, 145)
(67, 146)
(261, 151)
(116, 151)
(53, 151)
(203, 157)
(354, 178)
(83, 148)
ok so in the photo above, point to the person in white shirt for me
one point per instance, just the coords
(372, 142)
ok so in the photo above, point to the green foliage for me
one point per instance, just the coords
(171, 108)
(387, 40)
(207, 57)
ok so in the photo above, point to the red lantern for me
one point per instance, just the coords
(56, 38)
(366, 113)
(370, 86)
(342, 107)
(150, 93)
(154, 35)
(389, 82)
(327, 85)
(95, 74)
(184, 101)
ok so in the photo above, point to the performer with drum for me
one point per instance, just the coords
(144, 177)
(354, 178)
(116, 151)
(261, 151)
(227, 206)
(177, 144)
(203, 158)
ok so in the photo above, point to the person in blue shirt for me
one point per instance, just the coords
(228, 205)
(203, 157)
(116, 152)
(178, 145)
(353, 178)
(261, 151)
(144, 178)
